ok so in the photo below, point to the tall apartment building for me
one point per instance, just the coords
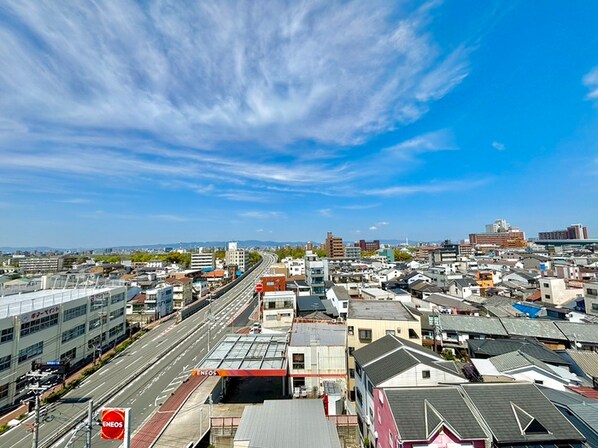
(353, 252)
(334, 246)
(203, 260)
(34, 265)
(68, 325)
(237, 257)
(368, 246)
(573, 232)
(316, 273)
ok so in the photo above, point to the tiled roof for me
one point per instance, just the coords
(508, 409)
(495, 347)
(579, 332)
(472, 324)
(535, 328)
(420, 412)
(586, 360)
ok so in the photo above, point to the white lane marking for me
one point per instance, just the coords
(95, 388)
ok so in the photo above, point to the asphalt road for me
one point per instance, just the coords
(142, 376)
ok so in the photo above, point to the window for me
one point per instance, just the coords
(546, 285)
(69, 356)
(595, 306)
(350, 330)
(371, 388)
(390, 332)
(5, 363)
(398, 331)
(425, 374)
(365, 334)
(3, 391)
(31, 352)
(592, 292)
(413, 334)
(547, 296)
(75, 312)
(117, 298)
(94, 323)
(381, 397)
(117, 313)
(6, 335)
(22, 383)
(351, 373)
(298, 361)
(271, 317)
(351, 350)
(71, 334)
(114, 331)
(539, 382)
(358, 396)
(36, 325)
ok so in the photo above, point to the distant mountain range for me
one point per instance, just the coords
(116, 249)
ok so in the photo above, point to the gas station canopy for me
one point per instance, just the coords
(246, 355)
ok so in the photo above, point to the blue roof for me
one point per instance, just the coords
(207, 269)
(531, 311)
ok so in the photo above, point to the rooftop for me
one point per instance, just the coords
(327, 334)
(379, 310)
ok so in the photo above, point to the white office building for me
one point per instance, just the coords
(203, 260)
(69, 325)
(238, 257)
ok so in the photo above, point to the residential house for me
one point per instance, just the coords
(182, 291)
(339, 297)
(316, 352)
(464, 287)
(555, 291)
(518, 415)
(488, 348)
(436, 417)
(394, 362)
(519, 366)
(278, 309)
(590, 293)
(370, 320)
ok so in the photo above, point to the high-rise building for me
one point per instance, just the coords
(573, 232)
(238, 257)
(334, 246)
(499, 233)
(368, 246)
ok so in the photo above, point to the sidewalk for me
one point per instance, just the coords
(158, 427)
(192, 421)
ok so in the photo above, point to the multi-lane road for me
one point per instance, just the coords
(142, 376)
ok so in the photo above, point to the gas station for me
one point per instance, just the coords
(246, 355)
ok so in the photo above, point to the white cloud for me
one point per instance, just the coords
(169, 218)
(373, 228)
(74, 201)
(325, 212)
(405, 190)
(498, 146)
(94, 83)
(441, 140)
(591, 82)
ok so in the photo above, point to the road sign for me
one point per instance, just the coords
(259, 287)
(113, 423)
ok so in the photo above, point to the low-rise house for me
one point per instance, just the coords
(518, 415)
(421, 289)
(447, 304)
(339, 297)
(464, 287)
(278, 309)
(581, 335)
(394, 362)
(370, 320)
(458, 329)
(182, 291)
(519, 366)
(542, 330)
(426, 417)
(316, 352)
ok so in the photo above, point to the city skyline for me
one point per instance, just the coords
(131, 124)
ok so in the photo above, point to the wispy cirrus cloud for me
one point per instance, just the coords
(591, 82)
(441, 140)
(378, 225)
(498, 145)
(208, 90)
(405, 190)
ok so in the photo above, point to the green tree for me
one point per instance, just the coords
(402, 256)
(254, 257)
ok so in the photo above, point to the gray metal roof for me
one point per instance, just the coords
(479, 348)
(586, 360)
(378, 310)
(585, 409)
(516, 360)
(420, 412)
(383, 346)
(452, 302)
(579, 332)
(535, 328)
(472, 324)
(508, 408)
(288, 423)
(341, 293)
(327, 334)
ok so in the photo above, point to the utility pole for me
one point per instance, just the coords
(89, 424)
(36, 423)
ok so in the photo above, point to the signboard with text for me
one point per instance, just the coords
(114, 423)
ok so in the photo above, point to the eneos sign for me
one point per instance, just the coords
(113, 422)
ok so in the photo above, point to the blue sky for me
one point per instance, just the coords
(148, 122)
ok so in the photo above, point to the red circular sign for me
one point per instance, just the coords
(259, 287)
(113, 424)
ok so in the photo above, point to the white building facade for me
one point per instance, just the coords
(51, 325)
